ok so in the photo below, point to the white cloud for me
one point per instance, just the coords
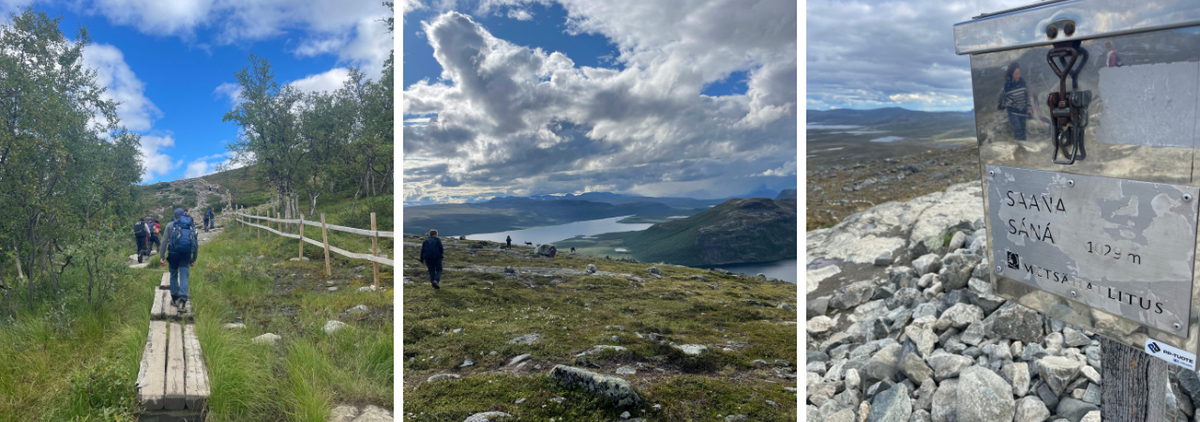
(156, 162)
(522, 120)
(325, 81)
(520, 14)
(137, 113)
(229, 90)
(207, 165)
(889, 53)
(406, 6)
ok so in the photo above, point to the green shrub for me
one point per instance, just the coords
(104, 392)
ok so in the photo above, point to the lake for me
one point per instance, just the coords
(784, 269)
(551, 234)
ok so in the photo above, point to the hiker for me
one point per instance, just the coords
(1015, 99)
(180, 249)
(508, 239)
(431, 256)
(141, 231)
(208, 220)
(155, 232)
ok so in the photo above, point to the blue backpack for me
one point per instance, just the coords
(181, 238)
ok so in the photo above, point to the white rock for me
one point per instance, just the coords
(267, 338)
(819, 324)
(235, 326)
(332, 326)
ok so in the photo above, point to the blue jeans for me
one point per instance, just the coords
(179, 278)
(1018, 125)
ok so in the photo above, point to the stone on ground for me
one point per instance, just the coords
(487, 417)
(440, 377)
(267, 338)
(984, 397)
(333, 325)
(616, 390)
(374, 414)
(343, 413)
(526, 339)
(892, 405)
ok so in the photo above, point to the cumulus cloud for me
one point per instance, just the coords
(886, 54)
(522, 120)
(230, 91)
(204, 166)
(137, 113)
(156, 162)
(352, 30)
(325, 81)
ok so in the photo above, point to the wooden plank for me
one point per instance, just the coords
(196, 382)
(162, 300)
(152, 385)
(174, 398)
(1132, 391)
(165, 284)
(169, 312)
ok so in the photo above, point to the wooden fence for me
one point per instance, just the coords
(374, 256)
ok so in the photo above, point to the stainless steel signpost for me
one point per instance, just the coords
(1088, 119)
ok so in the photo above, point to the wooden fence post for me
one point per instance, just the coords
(1135, 384)
(375, 250)
(325, 240)
(301, 237)
(257, 230)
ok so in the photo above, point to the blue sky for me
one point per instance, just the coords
(172, 64)
(656, 98)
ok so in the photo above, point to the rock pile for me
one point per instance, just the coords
(925, 339)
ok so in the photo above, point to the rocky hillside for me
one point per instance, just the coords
(574, 338)
(735, 231)
(843, 189)
(903, 326)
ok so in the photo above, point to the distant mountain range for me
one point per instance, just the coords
(893, 118)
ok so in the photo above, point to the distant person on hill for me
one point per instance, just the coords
(431, 256)
(508, 240)
(141, 232)
(1015, 99)
(180, 249)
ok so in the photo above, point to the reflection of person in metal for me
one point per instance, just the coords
(1015, 99)
(1113, 60)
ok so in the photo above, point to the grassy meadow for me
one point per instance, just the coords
(575, 313)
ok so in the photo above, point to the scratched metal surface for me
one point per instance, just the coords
(1122, 246)
(1132, 161)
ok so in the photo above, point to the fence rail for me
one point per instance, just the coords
(376, 258)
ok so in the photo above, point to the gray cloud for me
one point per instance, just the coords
(518, 120)
(869, 53)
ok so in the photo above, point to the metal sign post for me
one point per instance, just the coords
(1087, 114)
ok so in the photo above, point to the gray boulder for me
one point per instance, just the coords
(1016, 322)
(618, 391)
(1031, 409)
(487, 417)
(946, 365)
(958, 316)
(945, 402)
(547, 250)
(914, 368)
(956, 242)
(1073, 409)
(984, 397)
(1017, 374)
(892, 405)
(1058, 372)
(928, 263)
(526, 339)
(853, 294)
(817, 306)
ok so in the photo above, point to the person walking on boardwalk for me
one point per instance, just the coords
(508, 240)
(141, 232)
(208, 220)
(155, 233)
(180, 248)
(431, 256)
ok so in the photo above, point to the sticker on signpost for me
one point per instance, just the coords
(1170, 354)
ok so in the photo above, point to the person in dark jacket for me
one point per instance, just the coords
(179, 263)
(209, 218)
(1015, 99)
(508, 239)
(155, 235)
(141, 232)
(431, 256)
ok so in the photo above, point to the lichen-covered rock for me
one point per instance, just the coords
(487, 417)
(616, 390)
(984, 397)
(546, 249)
(892, 405)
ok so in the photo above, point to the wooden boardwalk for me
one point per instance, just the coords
(172, 379)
